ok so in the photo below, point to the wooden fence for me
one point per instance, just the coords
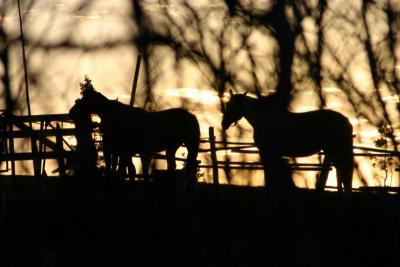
(48, 141)
(250, 148)
(47, 137)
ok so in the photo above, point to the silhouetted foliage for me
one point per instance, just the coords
(385, 163)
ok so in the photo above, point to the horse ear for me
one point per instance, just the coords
(245, 93)
(230, 92)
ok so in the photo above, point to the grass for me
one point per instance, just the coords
(63, 223)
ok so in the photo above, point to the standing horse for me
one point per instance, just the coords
(134, 130)
(278, 132)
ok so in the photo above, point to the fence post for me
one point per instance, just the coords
(43, 171)
(11, 147)
(41, 145)
(213, 155)
(60, 156)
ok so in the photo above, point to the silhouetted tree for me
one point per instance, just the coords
(290, 47)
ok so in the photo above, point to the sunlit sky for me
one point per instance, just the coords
(61, 69)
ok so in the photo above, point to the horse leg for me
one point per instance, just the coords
(131, 170)
(107, 161)
(277, 174)
(343, 161)
(172, 176)
(266, 167)
(145, 158)
(119, 165)
(125, 162)
(323, 176)
(278, 180)
(344, 169)
(192, 146)
(114, 160)
(170, 153)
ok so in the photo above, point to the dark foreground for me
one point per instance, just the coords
(64, 224)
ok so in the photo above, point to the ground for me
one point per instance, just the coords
(66, 224)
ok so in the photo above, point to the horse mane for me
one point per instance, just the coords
(113, 103)
(119, 105)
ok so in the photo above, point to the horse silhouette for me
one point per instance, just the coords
(128, 131)
(278, 133)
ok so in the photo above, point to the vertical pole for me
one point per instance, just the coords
(213, 155)
(60, 151)
(24, 60)
(11, 145)
(41, 145)
(36, 159)
(135, 80)
(43, 171)
(4, 150)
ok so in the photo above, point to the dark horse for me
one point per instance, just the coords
(128, 131)
(278, 132)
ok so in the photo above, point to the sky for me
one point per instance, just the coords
(58, 70)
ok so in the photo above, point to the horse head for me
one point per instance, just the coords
(93, 100)
(233, 109)
(79, 111)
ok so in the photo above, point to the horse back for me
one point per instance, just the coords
(323, 128)
(302, 134)
(321, 120)
(156, 131)
(175, 120)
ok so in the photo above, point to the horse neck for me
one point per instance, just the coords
(107, 110)
(251, 111)
(113, 111)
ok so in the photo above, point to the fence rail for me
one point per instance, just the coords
(50, 139)
(47, 140)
